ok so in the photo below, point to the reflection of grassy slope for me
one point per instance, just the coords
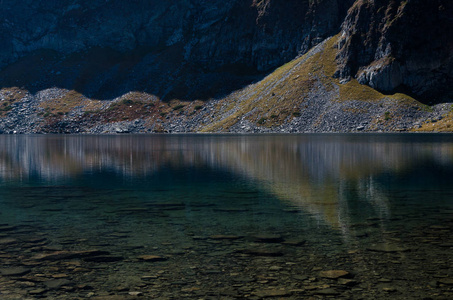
(290, 170)
(281, 95)
(282, 172)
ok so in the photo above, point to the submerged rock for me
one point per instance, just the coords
(7, 228)
(56, 283)
(389, 248)
(14, 271)
(224, 237)
(272, 293)
(334, 274)
(152, 258)
(446, 281)
(327, 292)
(37, 291)
(260, 252)
(268, 238)
(294, 242)
(60, 255)
(8, 241)
(103, 258)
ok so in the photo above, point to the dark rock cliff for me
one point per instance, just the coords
(174, 49)
(400, 45)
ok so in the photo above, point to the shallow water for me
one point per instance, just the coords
(226, 216)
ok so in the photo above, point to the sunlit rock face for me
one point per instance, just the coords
(400, 45)
(174, 49)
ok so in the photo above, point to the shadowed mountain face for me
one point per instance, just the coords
(183, 49)
(199, 49)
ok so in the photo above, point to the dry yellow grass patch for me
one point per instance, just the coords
(444, 125)
(71, 100)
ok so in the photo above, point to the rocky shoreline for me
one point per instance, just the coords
(27, 114)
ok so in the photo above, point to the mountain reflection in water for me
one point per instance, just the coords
(321, 174)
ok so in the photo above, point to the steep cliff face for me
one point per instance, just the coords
(174, 49)
(400, 45)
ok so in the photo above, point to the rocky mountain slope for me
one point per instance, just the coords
(190, 66)
(400, 45)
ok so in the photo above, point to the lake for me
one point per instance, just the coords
(338, 216)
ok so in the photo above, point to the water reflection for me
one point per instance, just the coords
(226, 217)
(321, 174)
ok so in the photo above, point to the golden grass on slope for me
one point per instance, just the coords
(353, 90)
(281, 95)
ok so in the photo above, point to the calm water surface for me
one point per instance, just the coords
(226, 216)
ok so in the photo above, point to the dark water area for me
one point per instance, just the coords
(226, 217)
